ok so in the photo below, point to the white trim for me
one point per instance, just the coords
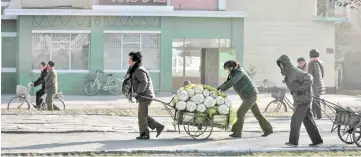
(124, 71)
(8, 34)
(61, 31)
(132, 32)
(4, 4)
(8, 70)
(90, 12)
(64, 71)
(9, 17)
(133, 8)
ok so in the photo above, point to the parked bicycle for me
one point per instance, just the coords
(113, 85)
(281, 101)
(23, 96)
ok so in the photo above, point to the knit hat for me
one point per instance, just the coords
(314, 53)
(301, 59)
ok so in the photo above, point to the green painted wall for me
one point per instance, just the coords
(8, 57)
(170, 27)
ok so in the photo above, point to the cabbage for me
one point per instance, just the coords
(205, 92)
(220, 120)
(223, 109)
(213, 94)
(188, 117)
(198, 98)
(174, 101)
(232, 117)
(201, 118)
(181, 105)
(180, 89)
(228, 102)
(190, 92)
(198, 89)
(211, 111)
(190, 86)
(209, 101)
(191, 106)
(220, 100)
(201, 108)
(182, 96)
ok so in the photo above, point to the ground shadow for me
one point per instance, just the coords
(116, 144)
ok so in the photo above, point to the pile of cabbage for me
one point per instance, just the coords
(202, 99)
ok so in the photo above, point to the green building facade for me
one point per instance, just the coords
(174, 45)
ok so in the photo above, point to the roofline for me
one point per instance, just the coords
(92, 12)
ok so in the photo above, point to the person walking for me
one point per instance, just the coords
(315, 68)
(302, 63)
(143, 90)
(40, 80)
(245, 88)
(300, 84)
(51, 86)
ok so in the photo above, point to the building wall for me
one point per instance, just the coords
(72, 82)
(281, 27)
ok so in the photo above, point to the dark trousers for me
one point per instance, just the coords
(39, 94)
(145, 121)
(302, 113)
(316, 107)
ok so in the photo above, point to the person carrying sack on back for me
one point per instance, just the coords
(245, 88)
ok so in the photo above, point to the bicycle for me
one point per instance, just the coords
(280, 101)
(113, 85)
(23, 96)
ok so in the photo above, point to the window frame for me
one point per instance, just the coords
(9, 35)
(140, 33)
(70, 32)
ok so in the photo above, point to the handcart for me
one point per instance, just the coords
(197, 125)
(346, 121)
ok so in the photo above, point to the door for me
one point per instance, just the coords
(210, 68)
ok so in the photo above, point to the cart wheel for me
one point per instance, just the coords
(345, 134)
(199, 129)
(357, 135)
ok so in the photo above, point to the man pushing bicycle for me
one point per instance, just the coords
(40, 80)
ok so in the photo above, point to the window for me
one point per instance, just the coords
(69, 51)
(118, 45)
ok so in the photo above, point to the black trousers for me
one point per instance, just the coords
(39, 94)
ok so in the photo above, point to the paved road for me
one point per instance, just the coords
(167, 141)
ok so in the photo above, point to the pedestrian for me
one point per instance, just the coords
(246, 89)
(315, 68)
(51, 86)
(300, 84)
(302, 63)
(40, 80)
(143, 92)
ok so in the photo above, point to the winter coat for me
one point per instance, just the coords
(51, 82)
(298, 82)
(315, 68)
(142, 83)
(40, 80)
(241, 82)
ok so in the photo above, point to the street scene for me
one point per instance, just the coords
(180, 78)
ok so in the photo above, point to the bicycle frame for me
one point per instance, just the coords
(101, 84)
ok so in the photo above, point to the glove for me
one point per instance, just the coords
(219, 88)
(135, 95)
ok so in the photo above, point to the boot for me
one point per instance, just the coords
(267, 132)
(160, 130)
(236, 135)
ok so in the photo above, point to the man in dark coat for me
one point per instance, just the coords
(245, 88)
(300, 84)
(143, 87)
(40, 80)
(51, 86)
(315, 68)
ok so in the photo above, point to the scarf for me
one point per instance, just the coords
(127, 87)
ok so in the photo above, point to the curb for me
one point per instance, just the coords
(110, 131)
(200, 151)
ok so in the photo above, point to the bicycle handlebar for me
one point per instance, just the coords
(99, 71)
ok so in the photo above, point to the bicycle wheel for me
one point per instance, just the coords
(345, 134)
(18, 102)
(357, 135)
(115, 86)
(275, 106)
(91, 88)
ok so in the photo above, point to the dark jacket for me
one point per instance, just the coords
(298, 82)
(315, 68)
(41, 78)
(51, 82)
(241, 83)
(142, 83)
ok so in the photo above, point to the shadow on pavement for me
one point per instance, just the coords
(115, 144)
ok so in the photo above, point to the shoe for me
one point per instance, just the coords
(291, 144)
(316, 144)
(160, 130)
(145, 137)
(267, 132)
(235, 135)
